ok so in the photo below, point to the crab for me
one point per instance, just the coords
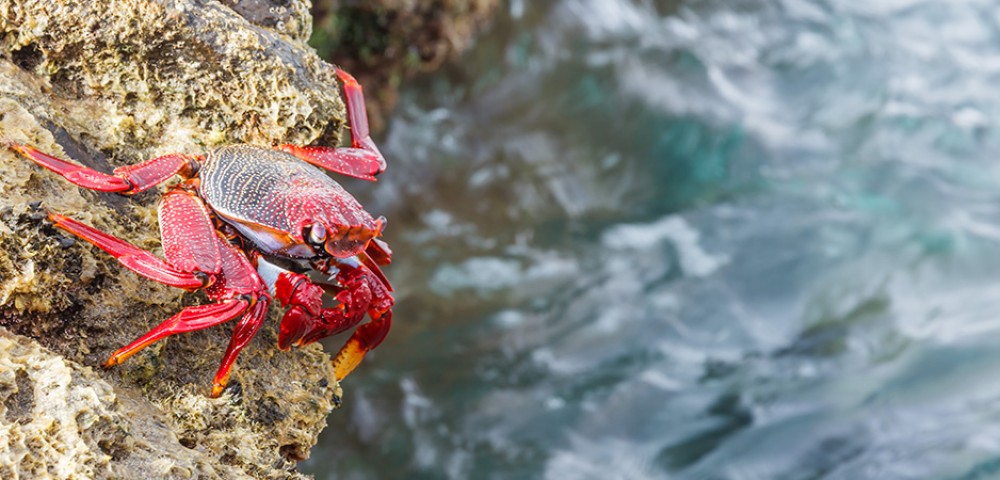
(245, 225)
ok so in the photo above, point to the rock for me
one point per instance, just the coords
(385, 42)
(62, 420)
(284, 16)
(108, 84)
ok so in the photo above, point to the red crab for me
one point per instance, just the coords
(241, 205)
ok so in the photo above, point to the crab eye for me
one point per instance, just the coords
(317, 234)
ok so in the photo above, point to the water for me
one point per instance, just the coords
(737, 239)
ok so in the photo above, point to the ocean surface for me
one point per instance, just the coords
(715, 239)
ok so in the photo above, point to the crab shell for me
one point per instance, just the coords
(284, 205)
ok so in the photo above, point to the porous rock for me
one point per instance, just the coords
(108, 84)
(61, 420)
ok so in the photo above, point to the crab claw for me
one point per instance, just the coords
(364, 340)
(359, 291)
(304, 300)
(295, 324)
(306, 320)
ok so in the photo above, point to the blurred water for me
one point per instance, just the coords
(737, 239)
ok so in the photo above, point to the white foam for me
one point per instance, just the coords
(695, 261)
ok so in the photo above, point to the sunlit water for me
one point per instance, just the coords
(708, 239)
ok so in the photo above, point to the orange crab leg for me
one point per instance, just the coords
(363, 159)
(127, 180)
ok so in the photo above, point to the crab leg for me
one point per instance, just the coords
(362, 159)
(128, 180)
(239, 292)
(188, 320)
(190, 242)
(197, 257)
(238, 280)
(132, 257)
(244, 331)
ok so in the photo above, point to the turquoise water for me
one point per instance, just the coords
(711, 239)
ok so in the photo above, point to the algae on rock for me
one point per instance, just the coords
(108, 84)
